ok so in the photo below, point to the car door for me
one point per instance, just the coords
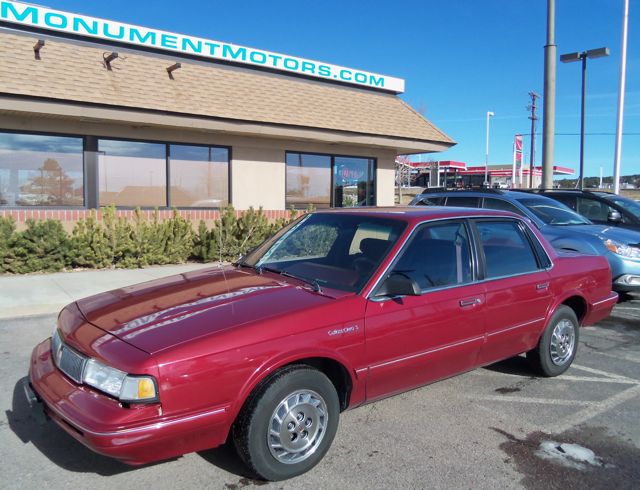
(413, 340)
(517, 287)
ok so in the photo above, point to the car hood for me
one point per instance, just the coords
(622, 235)
(163, 313)
(627, 237)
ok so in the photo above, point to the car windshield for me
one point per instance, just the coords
(340, 251)
(632, 206)
(553, 213)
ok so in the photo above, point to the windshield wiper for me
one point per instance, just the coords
(311, 282)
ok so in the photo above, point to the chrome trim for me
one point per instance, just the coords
(519, 325)
(607, 300)
(157, 425)
(427, 352)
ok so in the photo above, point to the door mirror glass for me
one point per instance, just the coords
(398, 284)
(614, 216)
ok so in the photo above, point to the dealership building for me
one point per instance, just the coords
(96, 112)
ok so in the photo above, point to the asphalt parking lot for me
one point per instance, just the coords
(496, 427)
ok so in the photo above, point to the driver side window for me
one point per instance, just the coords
(437, 256)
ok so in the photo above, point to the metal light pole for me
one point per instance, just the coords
(582, 56)
(623, 71)
(486, 158)
(549, 113)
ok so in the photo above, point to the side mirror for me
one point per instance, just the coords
(614, 217)
(398, 284)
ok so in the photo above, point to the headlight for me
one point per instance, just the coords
(623, 250)
(125, 387)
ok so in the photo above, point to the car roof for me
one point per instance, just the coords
(418, 213)
(506, 194)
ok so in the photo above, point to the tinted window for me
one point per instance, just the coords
(308, 180)
(199, 176)
(132, 173)
(629, 205)
(431, 201)
(463, 201)
(569, 201)
(37, 170)
(437, 256)
(593, 209)
(500, 204)
(552, 212)
(506, 249)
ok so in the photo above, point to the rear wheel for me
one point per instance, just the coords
(288, 423)
(558, 345)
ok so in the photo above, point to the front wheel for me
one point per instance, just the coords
(288, 424)
(558, 345)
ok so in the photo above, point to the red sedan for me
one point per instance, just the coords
(336, 310)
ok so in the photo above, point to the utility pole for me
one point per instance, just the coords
(549, 112)
(533, 118)
(623, 74)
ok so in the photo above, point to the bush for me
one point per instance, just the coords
(43, 246)
(119, 242)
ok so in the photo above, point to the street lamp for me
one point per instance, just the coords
(582, 56)
(486, 158)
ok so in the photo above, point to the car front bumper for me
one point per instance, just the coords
(625, 273)
(135, 435)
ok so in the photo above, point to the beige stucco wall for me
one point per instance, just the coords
(257, 162)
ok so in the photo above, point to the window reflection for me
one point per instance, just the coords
(38, 170)
(353, 182)
(308, 180)
(199, 176)
(132, 173)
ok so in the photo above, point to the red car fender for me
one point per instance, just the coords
(559, 300)
(285, 358)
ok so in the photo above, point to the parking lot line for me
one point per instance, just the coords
(602, 373)
(528, 399)
(595, 409)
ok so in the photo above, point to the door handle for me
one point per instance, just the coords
(470, 302)
(542, 286)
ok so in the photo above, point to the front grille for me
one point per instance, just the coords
(68, 360)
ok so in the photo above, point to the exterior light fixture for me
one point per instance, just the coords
(172, 68)
(109, 58)
(582, 56)
(37, 47)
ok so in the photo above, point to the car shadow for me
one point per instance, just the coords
(515, 366)
(59, 447)
(226, 458)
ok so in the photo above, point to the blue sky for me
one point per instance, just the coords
(460, 59)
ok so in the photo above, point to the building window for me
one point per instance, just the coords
(199, 176)
(352, 182)
(326, 180)
(40, 170)
(132, 173)
(308, 180)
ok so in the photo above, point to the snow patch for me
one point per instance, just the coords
(569, 455)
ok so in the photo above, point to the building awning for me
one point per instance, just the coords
(73, 74)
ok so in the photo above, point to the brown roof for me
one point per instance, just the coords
(74, 72)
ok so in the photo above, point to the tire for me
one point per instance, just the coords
(558, 345)
(306, 402)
